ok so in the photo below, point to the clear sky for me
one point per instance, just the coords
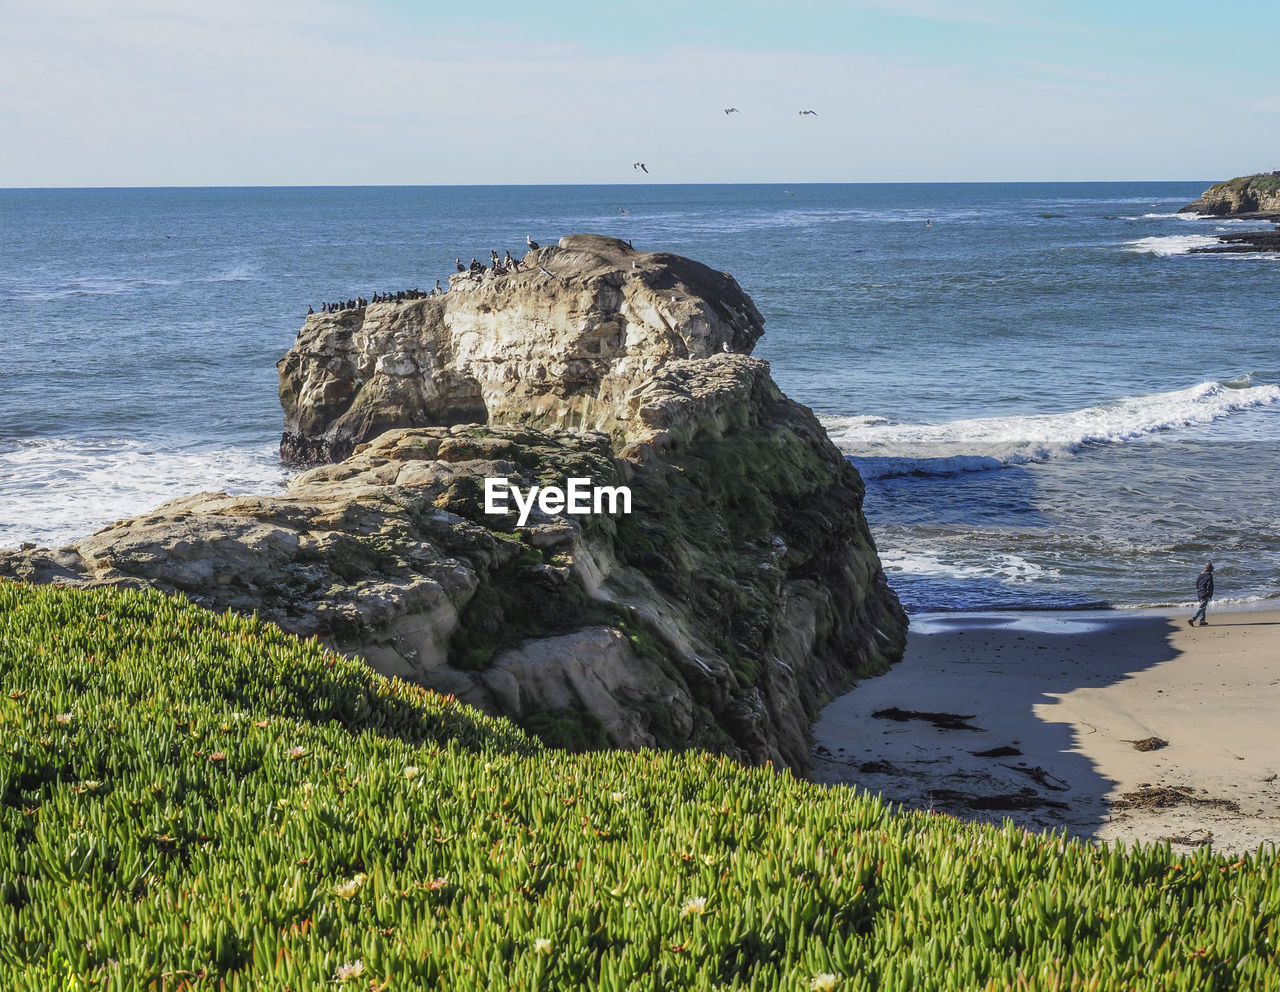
(317, 92)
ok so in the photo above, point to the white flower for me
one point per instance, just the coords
(694, 907)
(348, 889)
(542, 945)
(412, 771)
(63, 717)
(617, 797)
(824, 981)
(297, 752)
(352, 969)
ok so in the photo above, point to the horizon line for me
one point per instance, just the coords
(598, 185)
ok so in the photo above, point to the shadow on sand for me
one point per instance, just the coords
(1003, 674)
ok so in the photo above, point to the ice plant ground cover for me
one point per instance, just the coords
(226, 807)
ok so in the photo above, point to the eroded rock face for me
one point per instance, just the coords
(741, 592)
(1251, 195)
(560, 343)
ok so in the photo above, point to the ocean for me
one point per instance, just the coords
(1053, 401)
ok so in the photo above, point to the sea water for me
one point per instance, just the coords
(1053, 400)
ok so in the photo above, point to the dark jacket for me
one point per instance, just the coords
(1204, 585)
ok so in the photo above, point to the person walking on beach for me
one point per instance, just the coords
(1204, 592)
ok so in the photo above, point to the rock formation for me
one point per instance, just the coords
(558, 343)
(740, 593)
(1257, 196)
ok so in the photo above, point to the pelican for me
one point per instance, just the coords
(533, 245)
(640, 166)
(458, 263)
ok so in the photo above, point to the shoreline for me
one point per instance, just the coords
(1113, 725)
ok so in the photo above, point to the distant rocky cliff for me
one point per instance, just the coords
(1257, 195)
(740, 593)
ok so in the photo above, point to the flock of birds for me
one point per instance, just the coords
(476, 270)
(641, 167)
(803, 113)
(360, 302)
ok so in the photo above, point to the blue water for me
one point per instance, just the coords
(1052, 401)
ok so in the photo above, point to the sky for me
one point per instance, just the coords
(374, 92)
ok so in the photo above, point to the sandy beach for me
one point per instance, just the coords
(1117, 726)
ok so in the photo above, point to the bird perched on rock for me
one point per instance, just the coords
(533, 245)
(641, 166)
(458, 263)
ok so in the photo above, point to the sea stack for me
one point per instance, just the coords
(514, 348)
(741, 591)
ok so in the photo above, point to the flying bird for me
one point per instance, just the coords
(788, 192)
(813, 112)
(640, 166)
(732, 110)
(533, 245)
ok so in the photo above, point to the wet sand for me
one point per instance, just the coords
(1118, 726)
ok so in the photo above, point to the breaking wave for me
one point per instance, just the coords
(57, 490)
(882, 449)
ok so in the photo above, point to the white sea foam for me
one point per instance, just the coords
(55, 491)
(82, 286)
(1074, 622)
(882, 449)
(1171, 216)
(1173, 244)
(1003, 567)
